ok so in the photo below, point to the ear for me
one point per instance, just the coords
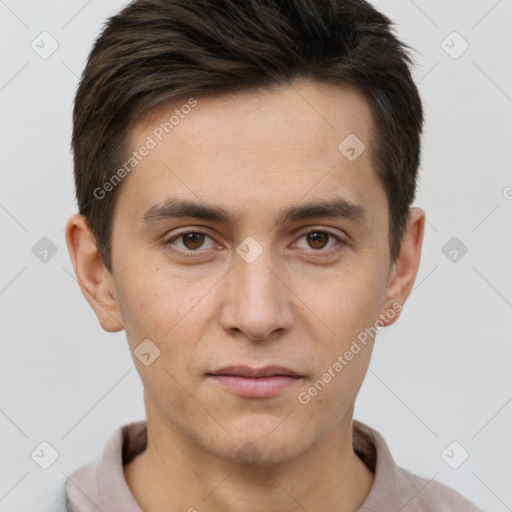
(405, 269)
(93, 277)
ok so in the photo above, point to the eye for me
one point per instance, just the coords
(320, 240)
(190, 241)
(197, 243)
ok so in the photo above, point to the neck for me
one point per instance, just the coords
(175, 474)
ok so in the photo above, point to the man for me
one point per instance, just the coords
(244, 173)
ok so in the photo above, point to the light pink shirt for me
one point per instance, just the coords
(100, 485)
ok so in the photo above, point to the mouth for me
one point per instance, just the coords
(247, 371)
(255, 382)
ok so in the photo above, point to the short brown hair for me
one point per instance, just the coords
(155, 51)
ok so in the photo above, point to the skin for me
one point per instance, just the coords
(298, 304)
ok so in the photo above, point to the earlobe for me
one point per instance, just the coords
(406, 267)
(94, 279)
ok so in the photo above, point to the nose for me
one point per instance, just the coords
(257, 300)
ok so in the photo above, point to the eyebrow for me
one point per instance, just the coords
(333, 208)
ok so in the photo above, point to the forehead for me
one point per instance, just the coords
(255, 149)
(293, 116)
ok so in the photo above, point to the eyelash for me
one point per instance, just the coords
(315, 252)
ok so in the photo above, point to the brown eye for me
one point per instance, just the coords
(320, 242)
(193, 240)
(317, 239)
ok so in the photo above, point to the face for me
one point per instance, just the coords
(265, 278)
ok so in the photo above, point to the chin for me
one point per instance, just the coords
(254, 443)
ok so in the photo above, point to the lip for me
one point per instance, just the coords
(255, 382)
(247, 371)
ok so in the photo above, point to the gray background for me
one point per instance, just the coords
(440, 374)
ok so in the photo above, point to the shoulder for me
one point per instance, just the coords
(101, 484)
(418, 494)
(82, 487)
(395, 488)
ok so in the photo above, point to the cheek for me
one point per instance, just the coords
(156, 305)
(166, 393)
(349, 302)
(328, 398)
(167, 312)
